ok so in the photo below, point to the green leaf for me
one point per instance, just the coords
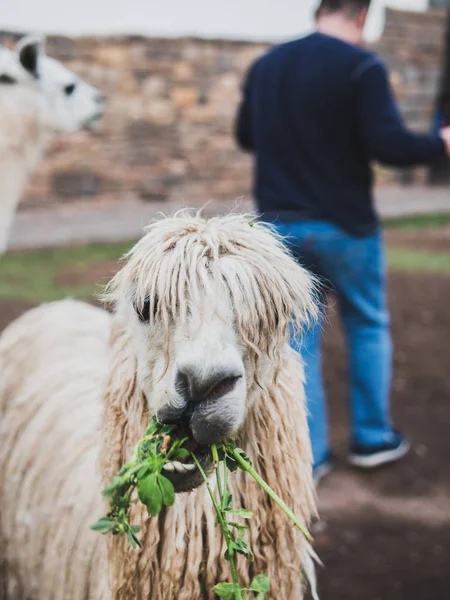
(118, 485)
(182, 453)
(227, 591)
(104, 523)
(142, 472)
(164, 429)
(153, 427)
(110, 530)
(148, 445)
(241, 528)
(137, 541)
(227, 499)
(261, 583)
(232, 465)
(132, 539)
(135, 528)
(242, 547)
(167, 490)
(240, 512)
(150, 494)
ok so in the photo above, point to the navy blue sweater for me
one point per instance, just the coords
(316, 112)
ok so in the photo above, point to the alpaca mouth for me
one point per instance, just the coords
(93, 122)
(184, 474)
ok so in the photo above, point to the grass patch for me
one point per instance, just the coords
(45, 275)
(418, 221)
(32, 276)
(418, 261)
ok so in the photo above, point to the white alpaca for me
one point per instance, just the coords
(199, 332)
(39, 97)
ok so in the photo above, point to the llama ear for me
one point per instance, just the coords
(10, 71)
(29, 49)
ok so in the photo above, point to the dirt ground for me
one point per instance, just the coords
(386, 535)
(432, 239)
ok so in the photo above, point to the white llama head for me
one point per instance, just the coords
(208, 305)
(39, 97)
(64, 102)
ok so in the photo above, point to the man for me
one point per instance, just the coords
(315, 113)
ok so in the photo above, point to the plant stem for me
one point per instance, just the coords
(223, 524)
(215, 454)
(217, 463)
(225, 480)
(250, 470)
(222, 497)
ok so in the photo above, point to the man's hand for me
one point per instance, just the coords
(445, 135)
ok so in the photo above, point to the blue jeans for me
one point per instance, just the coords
(355, 268)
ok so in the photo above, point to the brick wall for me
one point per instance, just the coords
(412, 46)
(167, 134)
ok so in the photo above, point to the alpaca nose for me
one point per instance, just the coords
(211, 408)
(199, 396)
(196, 389)
(100, 99)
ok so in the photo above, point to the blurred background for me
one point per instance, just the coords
(171, 72)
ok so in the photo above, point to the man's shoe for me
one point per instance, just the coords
(371, 457)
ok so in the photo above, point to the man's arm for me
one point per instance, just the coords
(383, 132)
(243, 127)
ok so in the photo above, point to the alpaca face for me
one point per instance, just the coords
(200, 381)
(205, 378)
(208, 304)
(62, 100)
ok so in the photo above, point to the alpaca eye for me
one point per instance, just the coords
(69, 89)
(144, 311)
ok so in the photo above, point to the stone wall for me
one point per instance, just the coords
(412, 46)
(167, 134)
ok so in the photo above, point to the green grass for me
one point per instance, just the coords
(44, 275)
(32, 276)
(418, 221)
(418, 261)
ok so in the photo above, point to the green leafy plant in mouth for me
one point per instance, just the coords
(142, 473)
(142, 479)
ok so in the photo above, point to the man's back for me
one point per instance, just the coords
(307, 116)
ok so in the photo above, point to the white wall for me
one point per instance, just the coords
(240, 19)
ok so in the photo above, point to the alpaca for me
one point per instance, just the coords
(199, 331)
(38, 98)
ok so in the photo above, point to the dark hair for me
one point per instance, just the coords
(351, 7)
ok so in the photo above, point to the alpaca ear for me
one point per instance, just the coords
(10, 71)
(30, 49)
